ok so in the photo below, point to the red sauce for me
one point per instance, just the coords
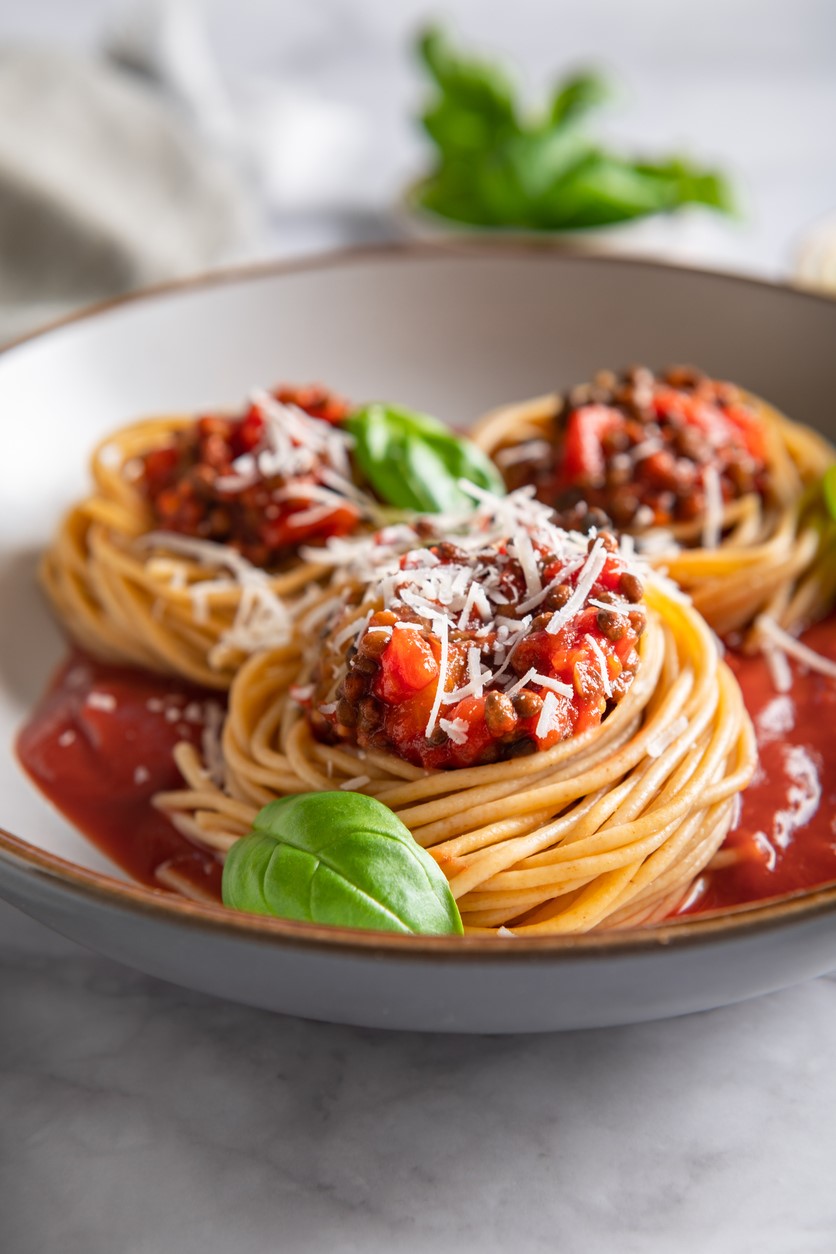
(786, 834)
(100, 761)
(99, 746)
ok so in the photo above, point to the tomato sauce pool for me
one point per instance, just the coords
(785, 838)
(99, 746)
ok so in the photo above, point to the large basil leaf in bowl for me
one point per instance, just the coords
(338, 858)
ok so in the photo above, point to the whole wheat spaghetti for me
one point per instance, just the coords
(555, 726)
(185, 556)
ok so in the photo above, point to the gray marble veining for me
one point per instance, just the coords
(136, 1117)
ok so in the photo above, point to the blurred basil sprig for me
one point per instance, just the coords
(497, 166)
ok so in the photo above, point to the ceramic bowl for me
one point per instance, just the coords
(453, 331)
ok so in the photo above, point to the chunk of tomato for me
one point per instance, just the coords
(407, 665)
(284, 532)
(583, 456)
(751, 428)
(717, 425)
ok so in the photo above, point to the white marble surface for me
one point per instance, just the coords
(136, 1118)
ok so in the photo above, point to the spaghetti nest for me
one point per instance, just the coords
(607, 828)
(768, 551)
(128, 591)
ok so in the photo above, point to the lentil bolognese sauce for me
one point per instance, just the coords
(710, 479)
(468, 658)
(264, 482)
(525, 685)
(592, 801)
(187, 554)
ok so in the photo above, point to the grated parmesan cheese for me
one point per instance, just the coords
(210, 743)
(712, 531)
(474, 669)
(529, 450)
(779, 668)
(601, 663)
(355, 783)
(456, 729)
(592, 568)
(547, 721)
(353, 630)
(101, 701)
(657, 744)
(521, 683)
(262, 620)
(555, 685)
(525, 556)
(784, 643)
(441, 631)
(110, 456)
(505, 542)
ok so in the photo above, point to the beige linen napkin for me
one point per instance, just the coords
(103, 187)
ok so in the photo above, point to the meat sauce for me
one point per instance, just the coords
(387, 697)
(99, 745)
(219, 479)
(639, 448)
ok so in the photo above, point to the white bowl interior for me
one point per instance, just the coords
(453, 332)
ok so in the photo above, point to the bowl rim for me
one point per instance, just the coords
(55, 872)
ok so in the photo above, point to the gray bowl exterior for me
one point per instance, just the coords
(427, 988)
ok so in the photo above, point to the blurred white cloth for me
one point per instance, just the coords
(102, 188)
(122, 172)
(298, 147)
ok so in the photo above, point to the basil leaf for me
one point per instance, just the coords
(577, 96)
(342, 859)
(467, 85)
(414, 462)
(495, 166)
(601, 191)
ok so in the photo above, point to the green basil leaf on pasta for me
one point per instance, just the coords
(415, 462)
(338, 858)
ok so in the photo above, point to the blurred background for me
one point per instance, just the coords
(142, 140)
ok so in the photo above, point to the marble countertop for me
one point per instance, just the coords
(136, 1118)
